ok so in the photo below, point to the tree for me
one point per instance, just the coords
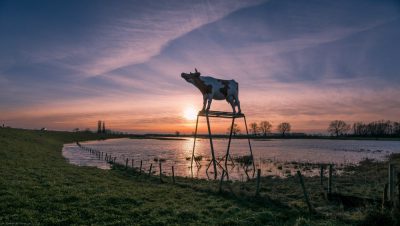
(99, 126)
(177, 133)
(254, 128)
(265, 127)
(235, 129)
(284, 127)
(338, 127)
(104, 127)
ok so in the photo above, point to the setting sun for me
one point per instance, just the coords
(190, 113)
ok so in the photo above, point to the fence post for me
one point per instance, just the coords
(330, 180)
(140, 169)
(173, 175)
(160, 172)
(258, 182)
(310, 208)
(115, 159)
(132, 163)
(151, 166)
(321, 174)
(126, 163)
(391, 182)
(384, 196)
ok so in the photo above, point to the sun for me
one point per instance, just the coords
(190, 113)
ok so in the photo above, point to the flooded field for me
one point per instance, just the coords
(275, 157)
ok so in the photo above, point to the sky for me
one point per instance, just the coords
(68, 64)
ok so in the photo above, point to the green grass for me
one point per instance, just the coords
(38, 186)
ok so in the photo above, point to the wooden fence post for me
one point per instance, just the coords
(330, 180)
(385, 197)
(132, 163)
(321, 175)
(310, 208)
(140, 169)
(151, 166)
(258, 182)
(160, 172)
(115, 159)
(173, 175)
(126, 163)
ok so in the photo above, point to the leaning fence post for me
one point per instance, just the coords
(151, 166)
(160, 172)
(330, 180)
(173, 175)
(310, 208)
(258, 182)
(391, 182)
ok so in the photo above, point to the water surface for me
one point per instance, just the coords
(276, 157)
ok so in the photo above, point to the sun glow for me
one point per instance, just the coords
(190, 113)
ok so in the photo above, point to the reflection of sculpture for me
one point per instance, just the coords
(216, 89)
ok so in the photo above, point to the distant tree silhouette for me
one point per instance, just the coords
(254, 128)
(104, 127)
(338, 127)
(177, 133)
(265, 127)
(284, 127)
(99, 126)
(235, 129)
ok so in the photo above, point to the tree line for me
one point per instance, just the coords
(263, 128)
(375, 128)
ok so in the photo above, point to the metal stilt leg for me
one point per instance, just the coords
(194, 145)
(251, 151)
(212, 147)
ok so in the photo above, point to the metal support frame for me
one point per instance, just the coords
(220, 114)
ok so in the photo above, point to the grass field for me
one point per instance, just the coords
(38, 186)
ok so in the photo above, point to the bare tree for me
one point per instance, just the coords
(265, 127)
(284, 127)
(338, 127)
(235, 129)
(254, 128)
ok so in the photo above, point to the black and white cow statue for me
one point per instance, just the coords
(213, 88)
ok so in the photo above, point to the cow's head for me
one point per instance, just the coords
(191, 76)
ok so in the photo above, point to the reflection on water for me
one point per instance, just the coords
(275, 157)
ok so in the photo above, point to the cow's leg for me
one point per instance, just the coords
(231, 101)
(209, 100)
(237, 102)
(204, 103)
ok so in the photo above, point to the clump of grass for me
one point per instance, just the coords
(156, 159)
(244, 160)
(198, 158)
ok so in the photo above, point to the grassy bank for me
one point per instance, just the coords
(38, 186)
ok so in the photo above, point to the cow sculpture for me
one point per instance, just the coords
(213, 88)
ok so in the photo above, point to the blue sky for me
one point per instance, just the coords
(67, 64)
